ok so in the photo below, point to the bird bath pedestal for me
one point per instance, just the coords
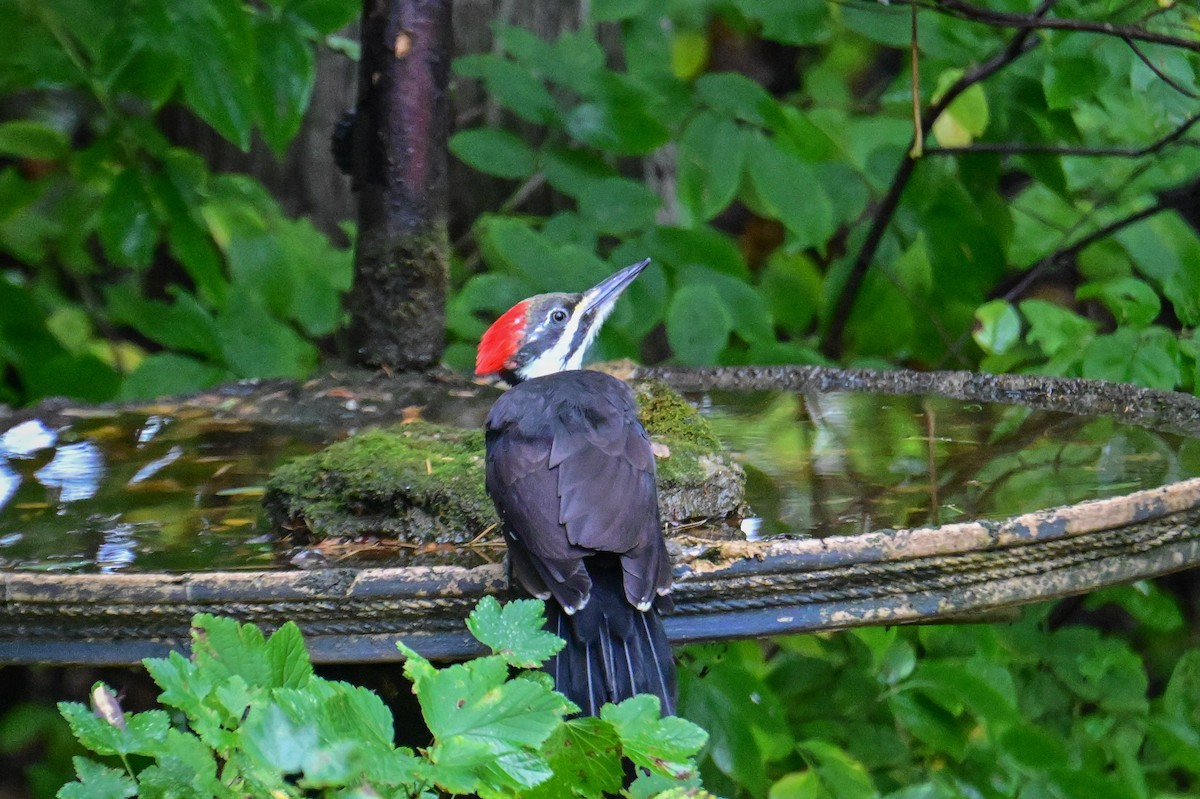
(104, 604)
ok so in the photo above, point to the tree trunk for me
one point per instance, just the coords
(398, 301)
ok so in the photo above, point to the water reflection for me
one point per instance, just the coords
(74, 473)
(157, 492)
(152, 492)
(848, 463)
(26, 438)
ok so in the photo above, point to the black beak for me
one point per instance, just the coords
(603, 296)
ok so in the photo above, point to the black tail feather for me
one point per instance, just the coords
(613, 650)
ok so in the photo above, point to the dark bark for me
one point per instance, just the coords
(397, 305)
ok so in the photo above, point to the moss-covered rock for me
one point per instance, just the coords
(419, 481)
(423, 483)
(696, 478)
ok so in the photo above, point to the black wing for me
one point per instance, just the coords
(572, 475)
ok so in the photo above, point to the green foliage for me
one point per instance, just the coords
(258, 722)
(773, 184)
(1026, 709)
(131, 269)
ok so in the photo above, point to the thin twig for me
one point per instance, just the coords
(1175, 136)
(918, 146)
(1164, 77)
(831, 342)
(1032, 22)
(1034, 273)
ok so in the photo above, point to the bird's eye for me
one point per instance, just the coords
(558, 315)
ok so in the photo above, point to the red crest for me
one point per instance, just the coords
(501, 341)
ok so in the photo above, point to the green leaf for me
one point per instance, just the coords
(276, 742)
(230, 649)
(701, 246)
(929, 723)
(744, 717)
(98, 782)
(487, 730)
(709, 161)
(618, 119)
(253, 344)
(1148, 604)
(472, 701)
(736, 96)
(180, 190)
(494, 152)
(798, 22)
(791, 285)
(26, 138)
(1053, 328)
(142, 733)
(290, 666)
(790, 192)
(698, 325)
(998, 327)
(213, 40)
(1178, 740)
(1133, 302)
(798, 785)
(514, 631)
(613, 10)
(966, 118)
(618, 205)
(1147, 357)
(129, 225)
(283, 82)
(326, 16)
(1167, 250)
(585, 754)
(689, 53)
(664, 745)
(320, 274)
(512, 246)
(747, 309)
(574, 171)
(182, 325)
(511, 85)
(1181, 699)
(1068, 80)
(1033, 749)
(843, 776)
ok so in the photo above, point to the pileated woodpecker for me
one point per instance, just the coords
(570, 470)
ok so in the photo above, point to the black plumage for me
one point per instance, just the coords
(572, 475)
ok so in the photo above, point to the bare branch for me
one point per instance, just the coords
(918, 147)
(1009, 290)
(1174, 137)
(1021, 43)
(1030, 22)
(1164, 77)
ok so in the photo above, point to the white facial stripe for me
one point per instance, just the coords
(558, 358)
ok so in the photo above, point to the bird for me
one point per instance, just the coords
(571, 472)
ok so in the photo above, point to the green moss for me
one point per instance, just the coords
(423, 483)
(667, 414)
(672, 421)
(419, 481)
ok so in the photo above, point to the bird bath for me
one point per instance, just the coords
(875, 497)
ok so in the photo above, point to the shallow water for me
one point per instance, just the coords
(182, 491)
(848, 463)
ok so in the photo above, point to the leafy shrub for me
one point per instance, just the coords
(260, 723)
(129, 270)
(764, 206)
(945, 711)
